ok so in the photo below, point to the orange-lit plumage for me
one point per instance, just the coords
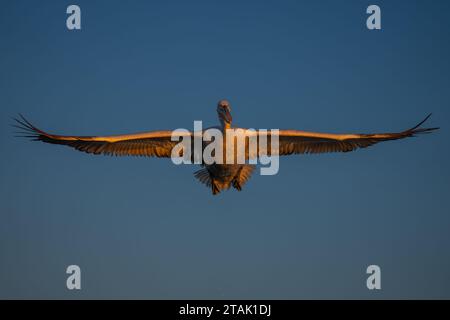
(216, 176)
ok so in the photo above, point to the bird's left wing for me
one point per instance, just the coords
(151, 144)
(297, 142)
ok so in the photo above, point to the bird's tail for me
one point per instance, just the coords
(203, 176)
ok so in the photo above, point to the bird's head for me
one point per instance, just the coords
(224, 112)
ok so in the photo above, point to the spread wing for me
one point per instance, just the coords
(297, 142)
(151, 144)
(159, 144)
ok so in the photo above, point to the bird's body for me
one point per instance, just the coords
(223, 175)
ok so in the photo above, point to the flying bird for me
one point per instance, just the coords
(216, 176)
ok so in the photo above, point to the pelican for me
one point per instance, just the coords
(216, 176)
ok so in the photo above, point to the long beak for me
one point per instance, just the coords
(228, 117)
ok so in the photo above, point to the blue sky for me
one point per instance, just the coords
(144, 228)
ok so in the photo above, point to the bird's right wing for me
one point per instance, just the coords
(151, 144)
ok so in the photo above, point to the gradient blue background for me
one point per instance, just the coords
(144, 228)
